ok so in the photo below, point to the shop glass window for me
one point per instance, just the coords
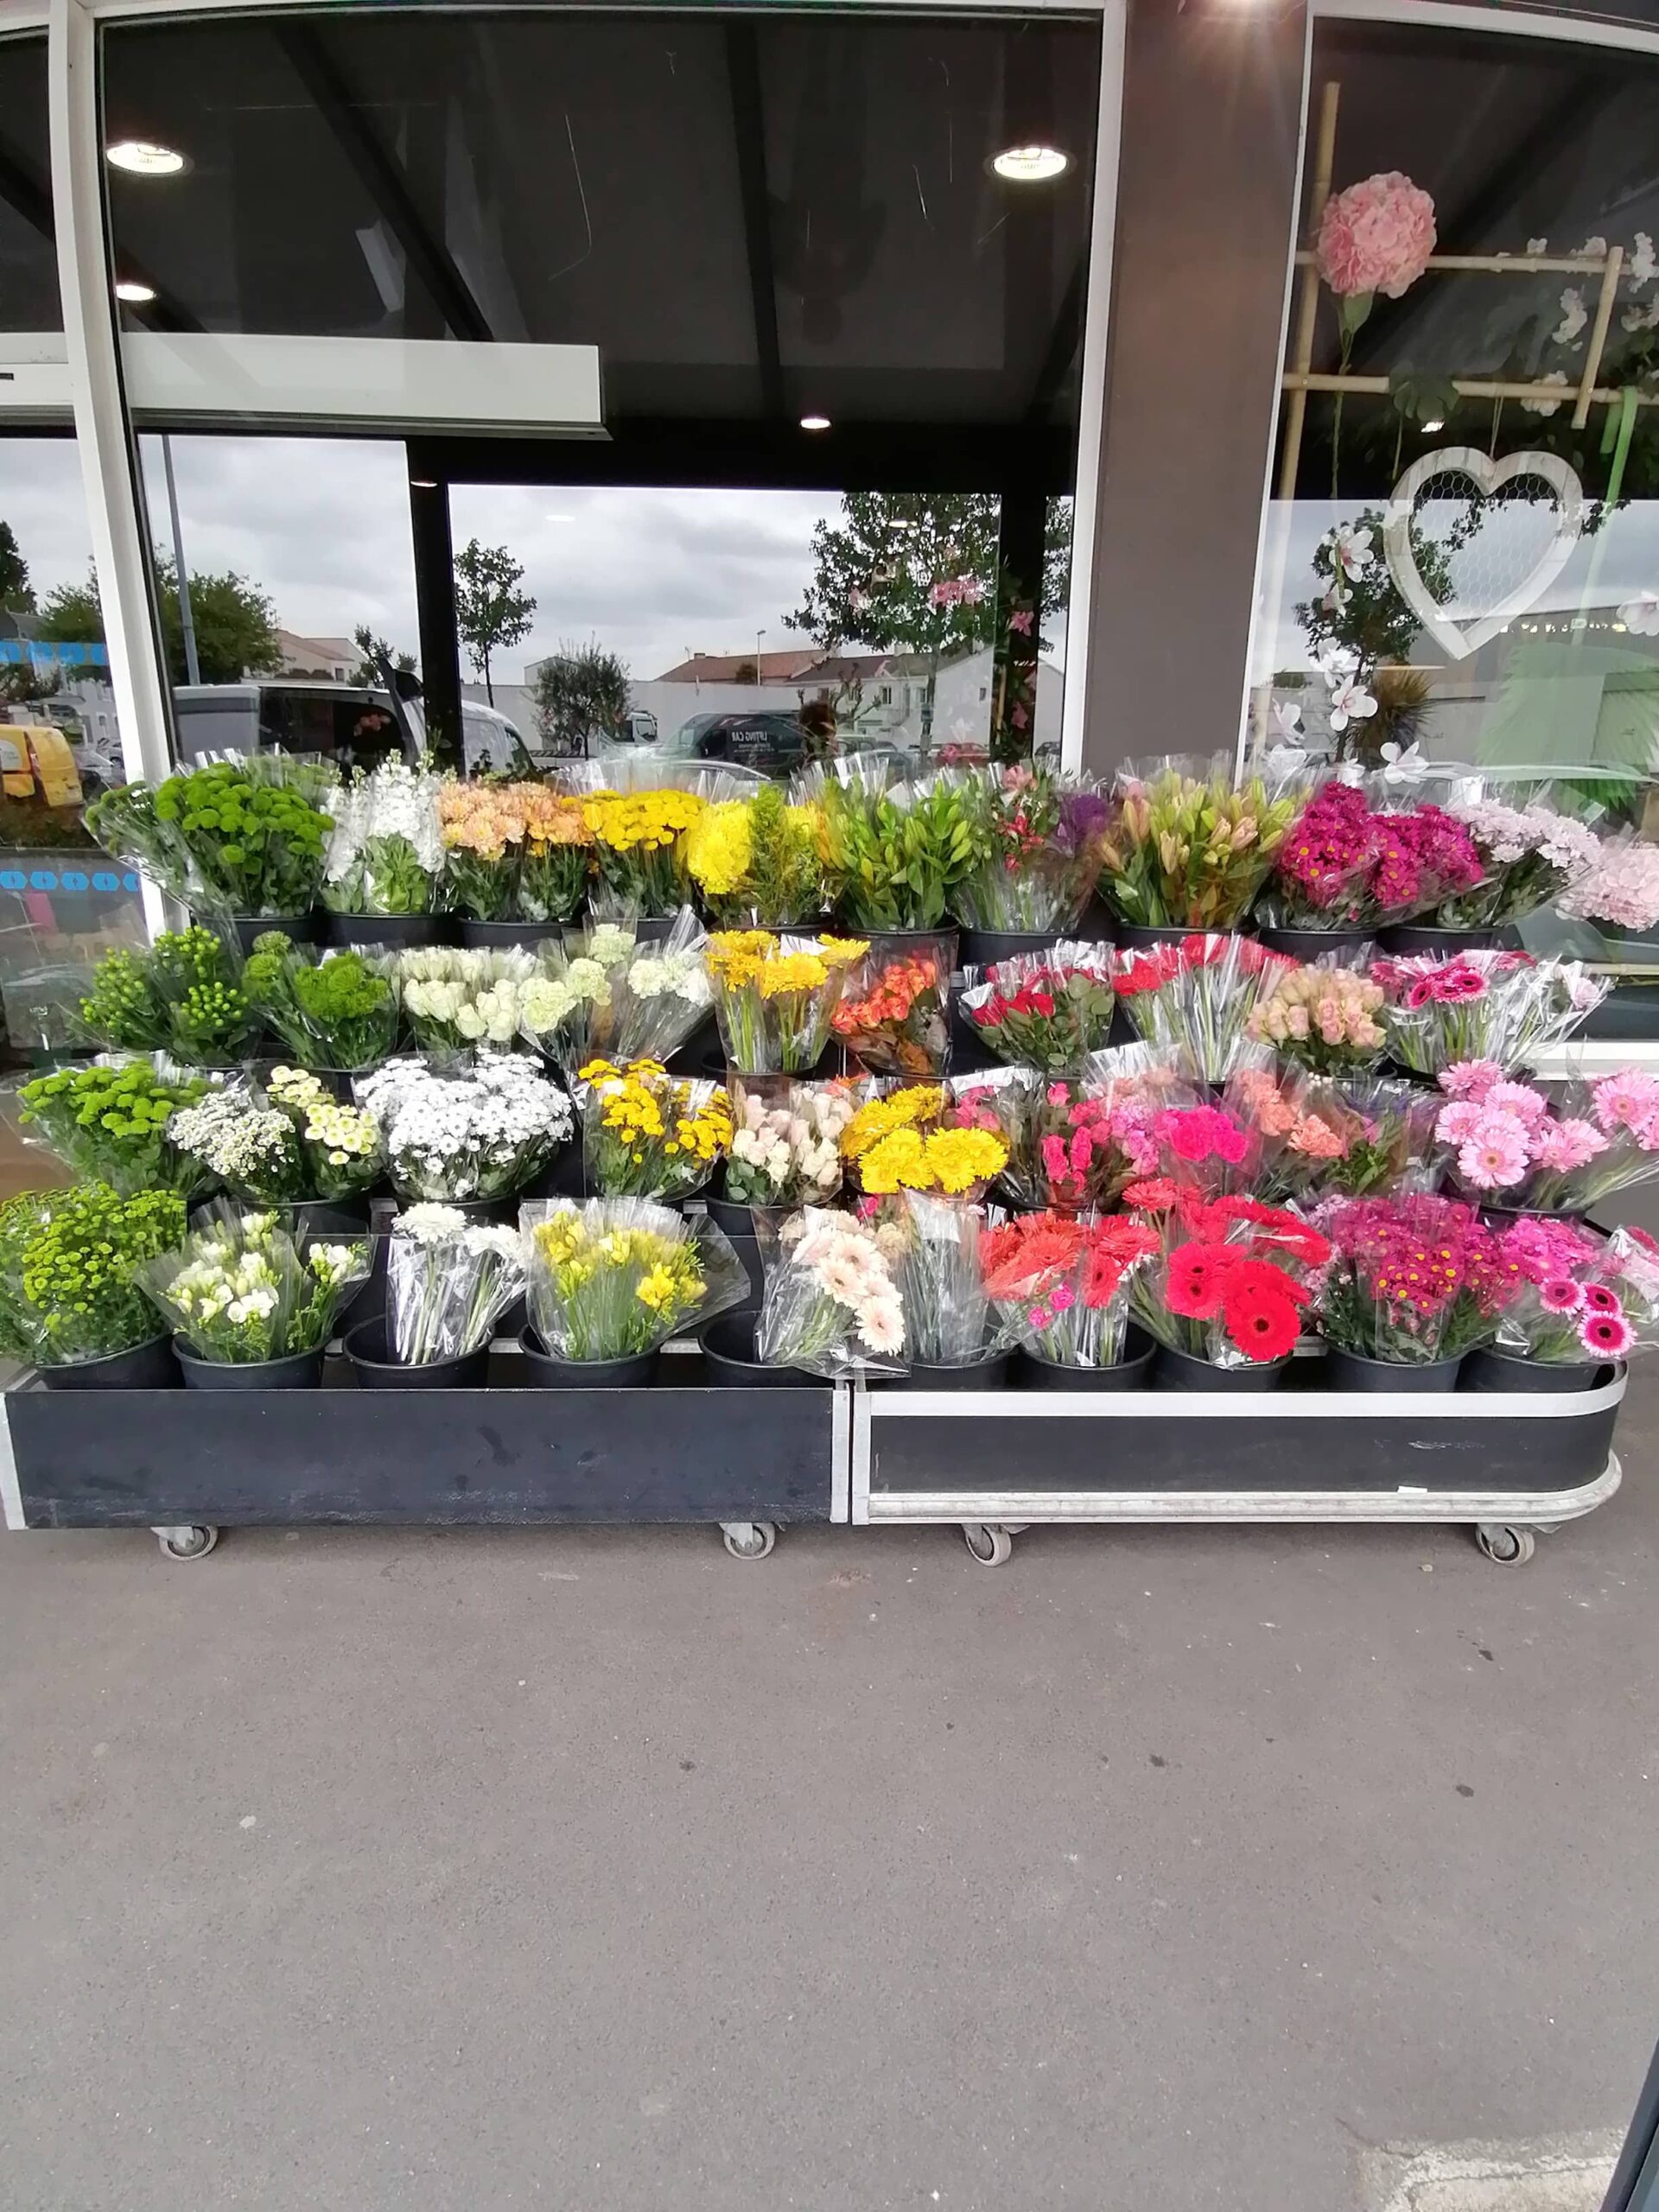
(28, 267)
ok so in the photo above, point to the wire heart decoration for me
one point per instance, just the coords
(1457, 641)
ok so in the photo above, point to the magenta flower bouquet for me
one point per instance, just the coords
(1412, 1279)
(1346, 863)
(1582, 1297)
(1562, 1156)
(1505, 1007)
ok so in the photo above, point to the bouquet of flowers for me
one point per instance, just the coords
(455, 999)
(386, 852)
(895, 1021)
(1598, 1137)
(896, 852)
(1047, 1010)
(240, 1288)
(340, 1152)
(253, 1149)
(570, 1008)
(1184, 849)
(1061, 1286)
(639, 846)
(330, 1010)
(180, 995)
(73, 1262)
(787, 1151)
(1412, 1278)
(1196, 996)
(481, 826)
(884, 1108)
(1206, 1147)
(1581, 1296)
(109, 1121)
(1528, 855)
(1505, 1007)
(829, 1303)
(664, 993)
(1231, 1283)
(1323, 1016)
(247, 836)
(754, 858)
(1042, 837)
(1359, 1137)
(774, 997)
(1619, 893)
(482, 1134)
(937, 1268)
(617, 1277)
(448, 1281)
(961, 1162)
(648, 1135)
(1346, 863)
(555, 857)
(1009, 1103)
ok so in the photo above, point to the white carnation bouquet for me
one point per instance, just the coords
(482, 1133)
(448, 1281)
(240, 1288)
(455, 998)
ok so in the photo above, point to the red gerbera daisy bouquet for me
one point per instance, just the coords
(894, 1015)
(1196, 996)
(1412, 1278)
(1503, 1007)
(1046, 1010)
(1582, 1297)
(1232, 1281)
(1061, 1287)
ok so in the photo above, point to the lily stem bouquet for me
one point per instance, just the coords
(896, 852)
(775, 997)
(1061, 1287)
(616, 1277)
(1041, 837)
(1412, 1278)
(1047, 1010)
(448, 1281)
(1196, 996)
(1184, 849)
(240, 1288)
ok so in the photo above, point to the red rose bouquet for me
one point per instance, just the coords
(1047, 1010)
(1412, 1278)
(1196, 996)
(1061, 1287)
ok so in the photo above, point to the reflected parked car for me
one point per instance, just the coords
(772, 741)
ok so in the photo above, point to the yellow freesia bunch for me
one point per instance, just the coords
(775, 997)
(613, 1278)
(647, 1134)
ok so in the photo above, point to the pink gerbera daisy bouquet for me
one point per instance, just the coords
(1196, 996)
(1503, 1007)
(1412, 1278)
(1582, 1297)
(1559, 1153)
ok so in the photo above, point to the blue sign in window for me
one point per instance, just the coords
(68, 878)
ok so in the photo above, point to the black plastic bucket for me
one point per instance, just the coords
(147, 1366)
(1180, 1370)
(1142, 937)
(729, 1361)
(375, 1370)
(492, 935)
(1489, 1370)
(984, 948)
(299, 929)
(1033, 1372)
(727, 1215)
(989, 1373)
(392, 932)
(301, 1371)
(543, 1372)
(1309, 944)
(1355, 1371)
(1405, 938)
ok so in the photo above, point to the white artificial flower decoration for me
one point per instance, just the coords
(1640, 615)
(1574, 317)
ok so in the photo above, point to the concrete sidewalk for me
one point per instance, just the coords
(1274, 1871)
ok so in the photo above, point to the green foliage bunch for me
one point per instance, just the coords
(77, 1255)
(895, 856)
(111, 1124)
(339, 1012)
(179, 996)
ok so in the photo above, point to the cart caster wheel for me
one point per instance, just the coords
(748, 1539)
(190, 1542)
(990, 1546)
(1504, 1546)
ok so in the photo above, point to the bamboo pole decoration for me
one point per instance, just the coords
(1598, 335)
(1505, 264)
(1603, 395)
(1307, 306)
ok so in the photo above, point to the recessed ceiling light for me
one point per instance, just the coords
(133, 292)
(1034, 164)
(144, 157)
(815, 421)
(423, 483)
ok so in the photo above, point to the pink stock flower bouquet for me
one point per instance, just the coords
(1582, 1297)
(1563, 1156)
(1505, 1007)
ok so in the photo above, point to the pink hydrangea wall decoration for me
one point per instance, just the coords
(1376, 237)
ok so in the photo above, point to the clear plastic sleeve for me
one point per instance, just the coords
(1565, 1149)
(1046, 1010)
(1060, 1285)
(610, 1278)
(662, 993)
(1502, 1007)
(775, 997)
(1185, 849)
(1414, 1278)
(1326, 1014)
(110, 1120)
(1041, 835)
(241, 1288)
(335, 1009)
(785, 1145)
(1197, 995)
(448, 1281)
(481, 1134)
(941, 1281)
(457, 999)
(894, 1015)
(829, 1303)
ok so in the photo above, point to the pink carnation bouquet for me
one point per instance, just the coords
(1505, 1007)
(1620, 891)
(1196, 997)
(1322, 1137)
(1560, 1155)
(1582, 1297)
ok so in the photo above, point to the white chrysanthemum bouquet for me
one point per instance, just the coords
(480, 1134)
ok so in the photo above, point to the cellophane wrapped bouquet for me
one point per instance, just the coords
(1505, 1007)
(234, 1137)
(894, 1016)
(898, 1139)
(481, 828)
(1582, 1296)
(385, 854)
(1074, 1142)
(1196, 996)
(242, 1288)
(1061, 1286)
(829, 1303)
(1619, 892)
(786, 1144)
(1009, 1103)
(1046, 1010)
(1348, 863)
(896, 852)
(664, 993)
(1412, 1278)
(335, 1010)
(639, 840)
(1529, 856)
(1041, 835)
(70, 1269)
(775, 997)
(243, 836)
(555, 859)
(1323, 1015)
(1186, 850)
(615, 1277)
(111, 1122)
(649, 1134)
(482, 1133)
(570, 1006)
(1322, 1136)
(1207, 1148)
(1512, 1144)
(181, 995)
(456, 998)
(1232, 1278)
(448, 1281)
(939, 1270)
(754, 858)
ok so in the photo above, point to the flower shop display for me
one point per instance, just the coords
(639, 849)
(448, 1281)
(1196, 995)
(663, 993)
(456, 998)
(894, 1015)
(1042, 837)
(1505, 1007)
(896, 852)
(244, 837)
(1225, 1297)
(1323, 1016)
(1357, 1136)
(1529, 856)
(648, 1135)
(336, 1010)
(109, 1121)
(1061, 1288)
(341, 1148)
(1415, 1281)
(938, 1268)
(386, 853)
(1349, 867)
(611, 1280)
(480, 1134)
(774, 997)
(73, 1302)
(181, 995)
(1512, 1144)
(786, 1150)
(243, 1298)
(1619, 892)
(754, 858)
(830, 1305)
(1184, 849)
(1047, 1010)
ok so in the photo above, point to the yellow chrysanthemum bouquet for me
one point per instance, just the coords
(893, 1143)
(648, 1135)
(639, 847)
(754, 858)
(615, 1278)
(775, 997)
